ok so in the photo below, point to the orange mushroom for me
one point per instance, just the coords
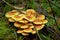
(39, 27)
(26, 21)
(28, 30)
(30, 15)
(23, 21)
(18, 17)
(20, 25)
(30, 11)
(44, 21)
(33, 32)
(17, 24)
(19, 31)
(11, 13)
(25, 34)
(41, 17)
(24, 26)
(30, 25)
(37, 21)
(11, 20)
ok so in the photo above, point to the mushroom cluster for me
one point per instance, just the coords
(26, 22)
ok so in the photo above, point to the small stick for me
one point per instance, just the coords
(15, 7)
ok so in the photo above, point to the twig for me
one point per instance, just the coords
(15, 7)
(8, 3)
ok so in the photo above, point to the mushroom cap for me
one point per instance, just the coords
(25, 34)
(28, 30)
(30, 11)
(17, 24)
(19, 31)
(30, 25)
(39, 27)
(41, 17)
(33, 32)
(30, 15)
(30, 19)
(23, 21)
(11, 13)
(18, 17)
(11, 20)
(44, 21)
(37, 21)
(24, 26)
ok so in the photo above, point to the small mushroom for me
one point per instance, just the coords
(24, 26)
(30, 11)
(33, 32)
(23, 21)
(30, 25)
(39, 27)
(30, 15)
(41, 17)
(44, 21)
(30, 19)
(28, 30)
(11, 13)
(19, 31)
(37, 21)
(25, 34)
(11, 20)
(17, 24)
(18, 17)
